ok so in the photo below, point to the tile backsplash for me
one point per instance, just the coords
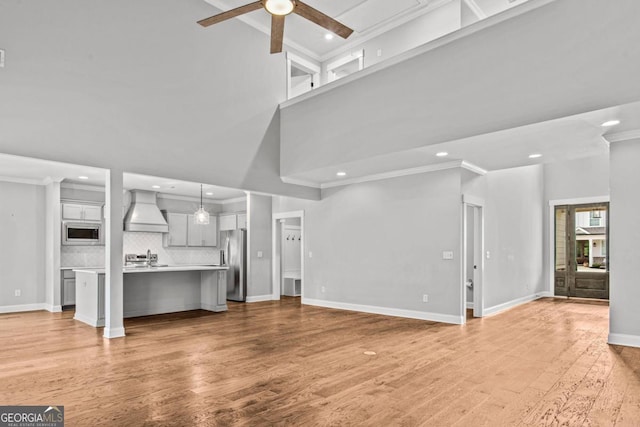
(138, 243)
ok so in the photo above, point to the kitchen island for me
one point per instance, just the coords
(153, 290)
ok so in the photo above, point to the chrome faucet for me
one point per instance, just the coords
(148, 256)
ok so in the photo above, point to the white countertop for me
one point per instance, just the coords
(127, 270)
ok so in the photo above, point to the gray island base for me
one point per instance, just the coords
(150, 291)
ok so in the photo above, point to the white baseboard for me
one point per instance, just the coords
(260, 298)
(545, 294)
(470, 305)
(23, 307)
(88, 320)
(511, 304)
(623, 339)
(386, 311)
(53, 308)
(113, 333)
(211, 307)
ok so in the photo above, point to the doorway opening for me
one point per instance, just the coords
(302, 76)
(472, 258)
(581, 247)
(288, 260)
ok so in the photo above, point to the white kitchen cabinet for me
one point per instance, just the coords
(228, 222)
(177, 235)
(242, 220)
(183, 231)
(202, 234)
(81, 212)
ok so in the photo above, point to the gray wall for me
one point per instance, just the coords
(22, 243)
(625, 235)
(513, 234)
(140, 87)
(259, 283)
(380, 243)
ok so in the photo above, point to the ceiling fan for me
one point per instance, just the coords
(278, 10)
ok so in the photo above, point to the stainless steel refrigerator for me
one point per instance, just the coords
(235, 247)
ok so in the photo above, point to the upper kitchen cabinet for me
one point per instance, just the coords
(184, 232)
(201, 234)
(228, 222)
(177, 235)
(233, 221)
(81, 212)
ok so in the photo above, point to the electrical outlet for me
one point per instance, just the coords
(379, 52)
(323, 289)
(425, 298)
(447, 255)
(18, 292)
(310, 254)
(1, 58)
(259, 254)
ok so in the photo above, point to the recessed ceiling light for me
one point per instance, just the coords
(328, 36)
(535, 156)
(442, 154)
(610, 123)
(83, 177)
(341, 174)
(209, 194)
(155, 186)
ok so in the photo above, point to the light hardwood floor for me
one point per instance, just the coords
(279, 363)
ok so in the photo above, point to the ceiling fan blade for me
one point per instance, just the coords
(321, 19)
(231, 13)
(277, 33)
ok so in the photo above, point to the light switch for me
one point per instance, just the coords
(259, 254)
(447, 255)
(310, 254)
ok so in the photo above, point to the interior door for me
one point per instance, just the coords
(581, 251)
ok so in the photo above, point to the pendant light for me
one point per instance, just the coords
(201, 216)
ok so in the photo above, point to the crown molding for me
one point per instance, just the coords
(473, 168)
(303, 182)
(166, 196)
(86, 187)
(623, 136)
(234, 200)
(393, 174)
(29, 181)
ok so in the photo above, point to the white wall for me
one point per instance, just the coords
(624, 320)
(513, 235)
(472, 85)
(259, 217)
(380, 244)
(22, 244)
(140, 87)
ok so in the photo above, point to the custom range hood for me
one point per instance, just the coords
(144, 215)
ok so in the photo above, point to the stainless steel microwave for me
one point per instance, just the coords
(82, 233)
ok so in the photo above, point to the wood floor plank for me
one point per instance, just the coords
(282, 364)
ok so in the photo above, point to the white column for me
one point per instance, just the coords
(114, 318)
(590, 252)
(52, 245)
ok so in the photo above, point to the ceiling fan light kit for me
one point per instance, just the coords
(279, 7)
(278, 10)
